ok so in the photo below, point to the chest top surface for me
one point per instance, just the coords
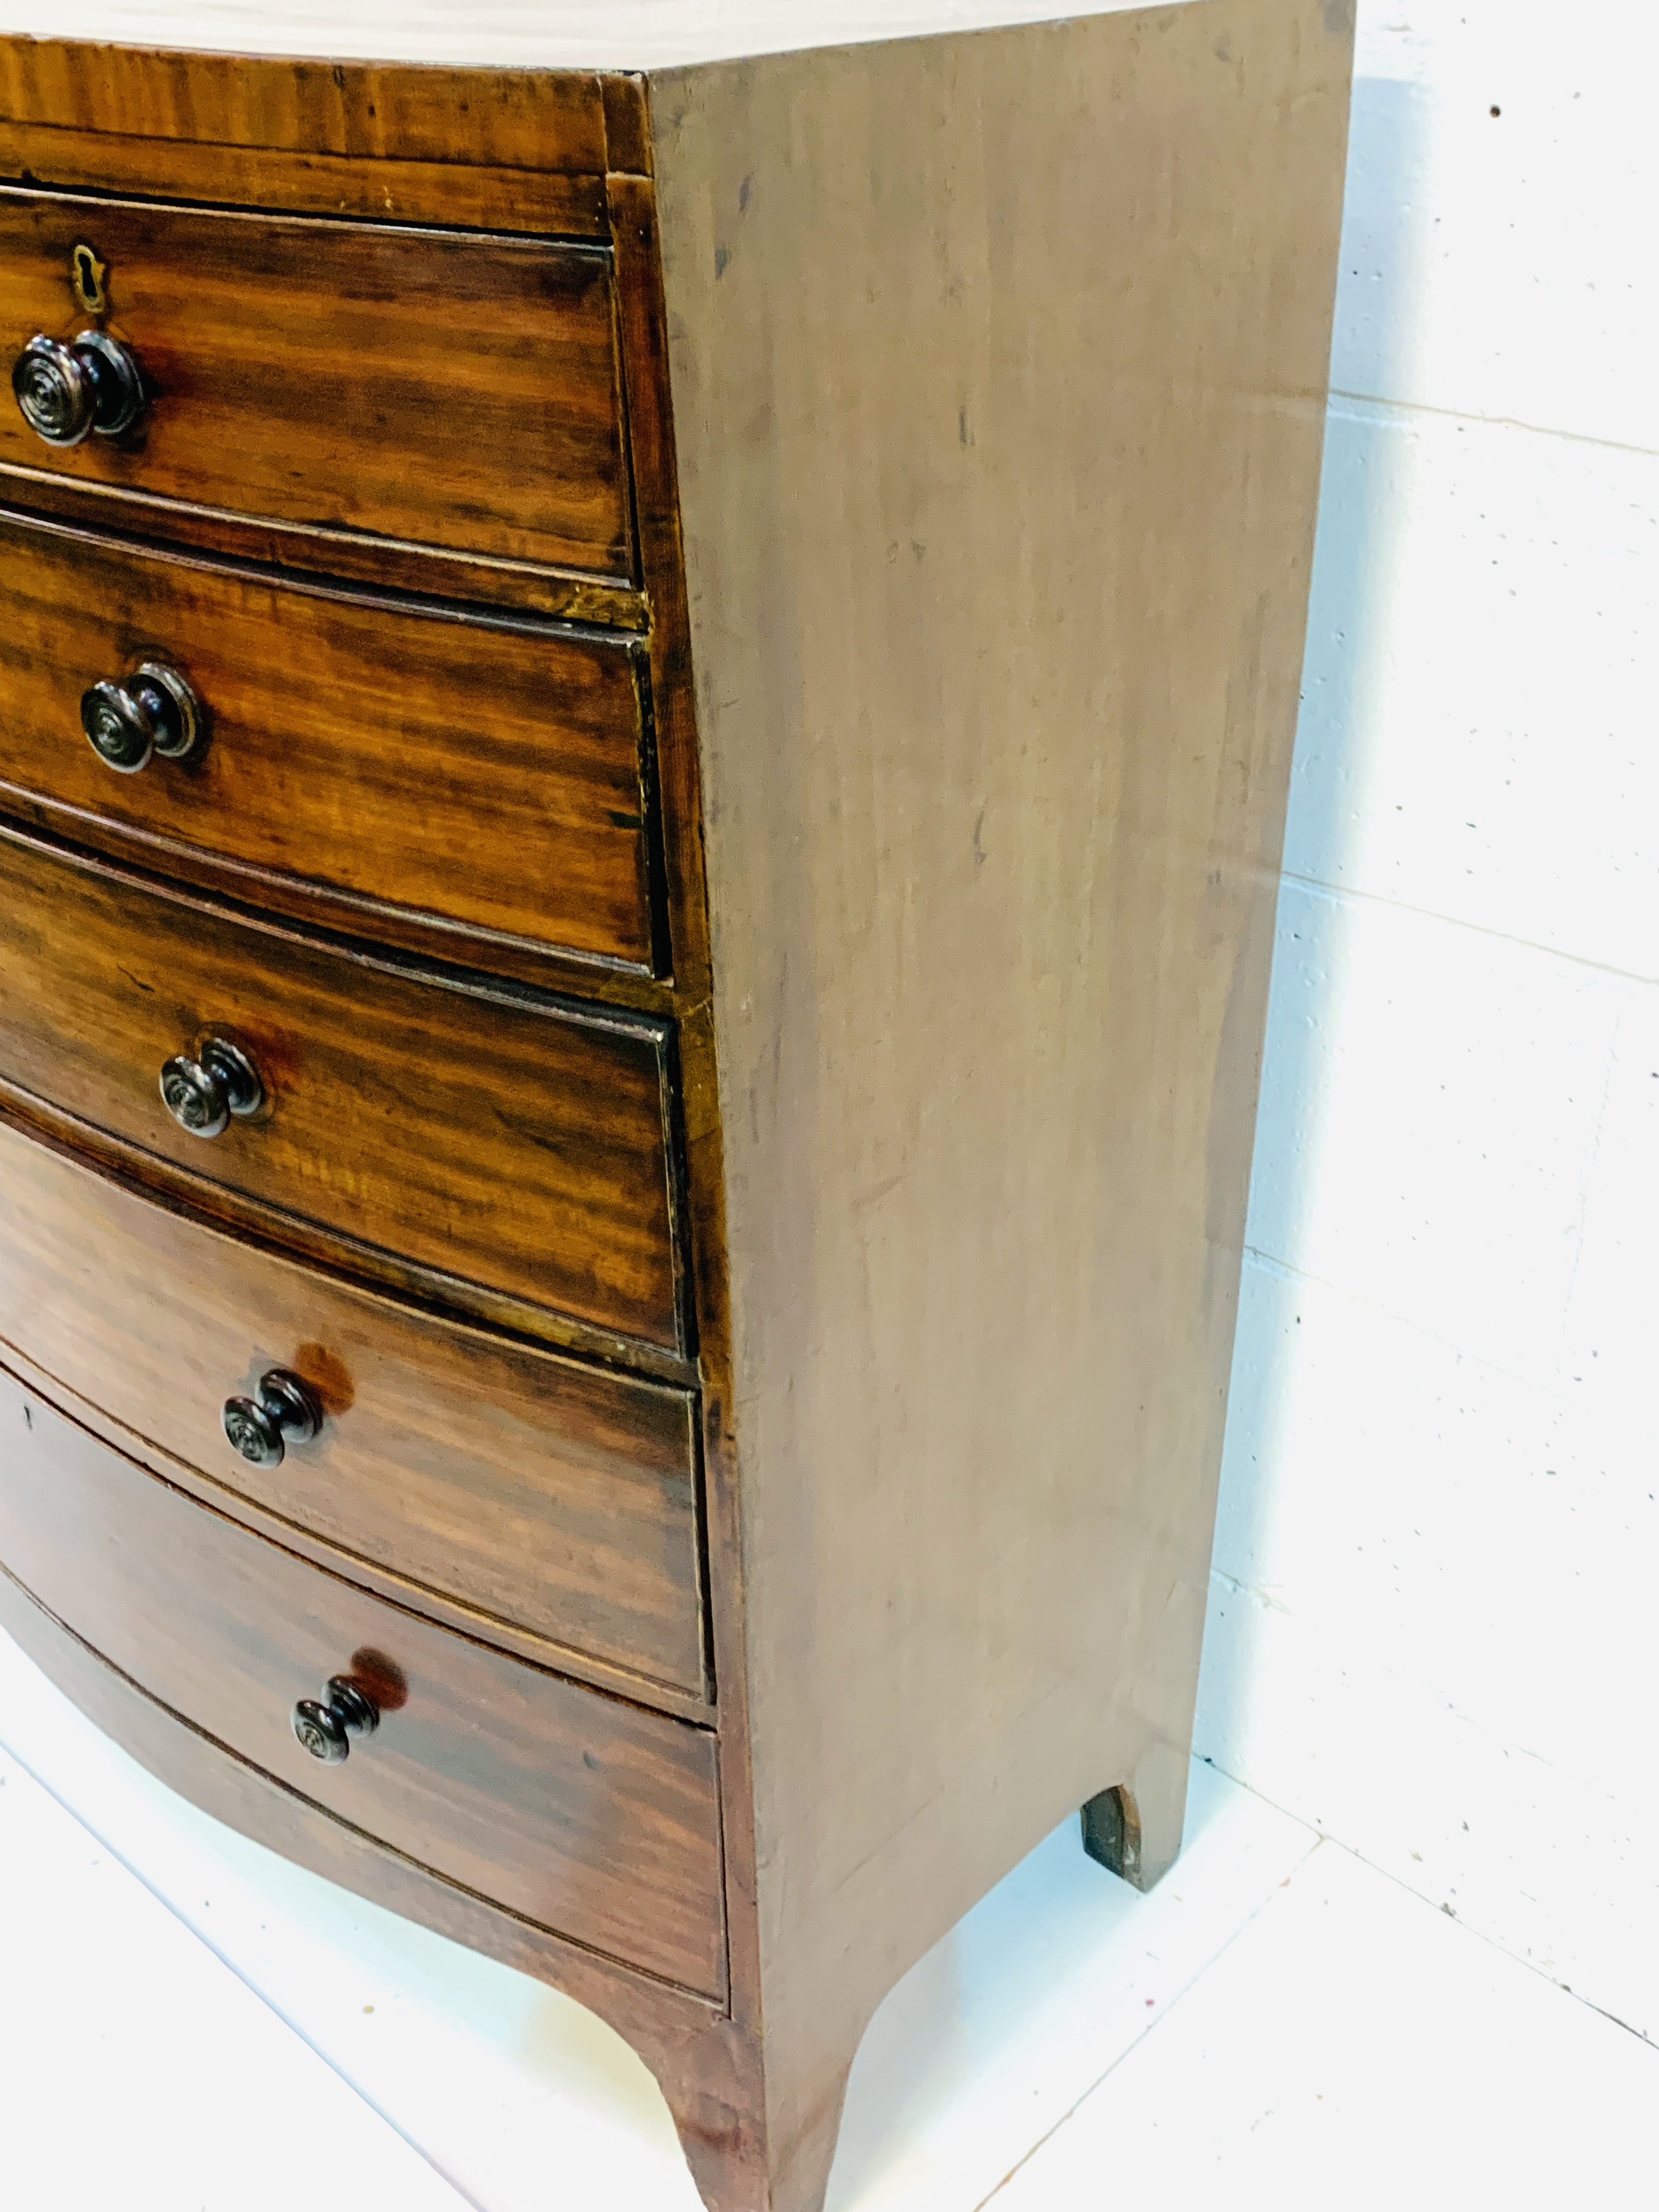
(600, 34)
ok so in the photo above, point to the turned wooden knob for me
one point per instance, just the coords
(67, 391)
(203, 1094)
(154, 711)
(287, 1410)
(326, 1727)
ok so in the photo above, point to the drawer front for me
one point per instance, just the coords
(584, 1813)
(426, 386)
(512, 1145)
(457, 770)
(557, 1497)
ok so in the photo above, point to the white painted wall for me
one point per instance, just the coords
(1433, 1631)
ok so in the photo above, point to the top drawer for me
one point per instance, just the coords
(428, 387)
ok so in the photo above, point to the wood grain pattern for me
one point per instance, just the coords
(509, 1141)
(998, 370)
(335, 138)
(581, 1812)
(627, 126)
(460, 193)
(656, 500)
(521, 119)
(422, 385)
(554, 1497)
(487, 779)
(337, 555)
(656, 490)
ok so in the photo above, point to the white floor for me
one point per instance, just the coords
(1278, 2024)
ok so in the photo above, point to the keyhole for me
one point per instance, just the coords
(87, 272)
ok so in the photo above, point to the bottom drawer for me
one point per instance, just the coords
(586, 1815)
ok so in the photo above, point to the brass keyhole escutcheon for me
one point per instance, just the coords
(87, 274)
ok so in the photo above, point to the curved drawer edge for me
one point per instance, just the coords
(229, 1788)
(547, 1181)
(437, 1605)
(598, 1818)
(523, 1498)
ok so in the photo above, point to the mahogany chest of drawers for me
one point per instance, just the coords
(646, 694)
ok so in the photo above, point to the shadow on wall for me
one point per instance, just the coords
(1382, 238)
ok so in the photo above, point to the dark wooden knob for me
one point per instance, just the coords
(67, 391)
(325, 1728)
(154, 711)
(286, 1411)
(203, 1094)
